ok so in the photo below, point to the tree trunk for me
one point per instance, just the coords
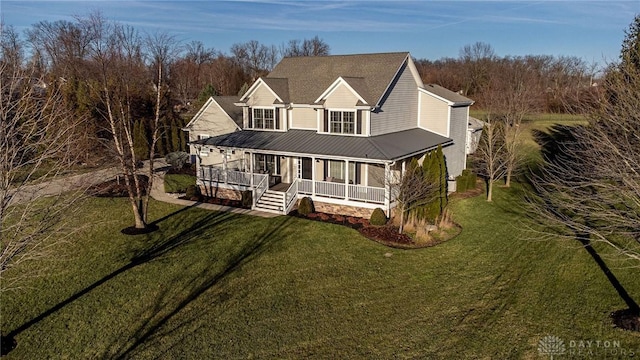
(507, 182)
(489, 190)
(137, 215)
(401, 228)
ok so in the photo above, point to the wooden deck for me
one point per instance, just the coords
(280, 187)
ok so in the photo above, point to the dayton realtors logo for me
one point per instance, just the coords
(554, 347)
(551, 346)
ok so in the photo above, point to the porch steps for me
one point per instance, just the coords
(271, 201)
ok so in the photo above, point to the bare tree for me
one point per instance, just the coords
(116, 51)
(257, 59)
(36, 130)
(306, 47)
(476, 60)
(163, 50)
(411, 189)
(490, 155)
(589, 183)
(515, 91)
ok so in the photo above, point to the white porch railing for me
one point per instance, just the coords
(238, 178)
(305, 186)
(261, 187)
(233, 177)
(330, 189)
(337, 190)
(366, 193)
(213, 176)
(290, 197)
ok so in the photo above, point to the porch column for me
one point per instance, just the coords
(404, 166)
(313, 176)
(224, 165)
(251, 167)
(346, 179)
(387, 189)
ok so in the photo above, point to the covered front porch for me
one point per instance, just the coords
(277, 181)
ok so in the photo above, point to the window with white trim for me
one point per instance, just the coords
(264, 119)
(336, 171)
(342, 122)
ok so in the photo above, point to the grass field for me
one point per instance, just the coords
(178, 183)
(220, 285)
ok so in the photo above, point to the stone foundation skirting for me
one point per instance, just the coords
(342, 209)
(221, 193)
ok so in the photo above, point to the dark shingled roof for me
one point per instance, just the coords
(280, 86)
(234, 112)
(309, 76)
(382, 147)
(455, 98)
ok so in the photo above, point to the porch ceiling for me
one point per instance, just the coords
(391, 146)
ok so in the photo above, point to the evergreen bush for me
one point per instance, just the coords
(192, 191)
(305, 207)
(378, 217)
(247, 199)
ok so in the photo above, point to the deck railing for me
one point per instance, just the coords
(290, 197)
(305, 186)
(261, 187)
(370, 194)
(366, 193)
(330, 189)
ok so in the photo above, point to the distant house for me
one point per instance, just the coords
(217, 116)
(333, 128)
(474, 132)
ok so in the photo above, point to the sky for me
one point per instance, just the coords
(591, 30)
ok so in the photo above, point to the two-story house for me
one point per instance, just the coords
(334, 128)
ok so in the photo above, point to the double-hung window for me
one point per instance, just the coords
(263, 119)
(342, 122)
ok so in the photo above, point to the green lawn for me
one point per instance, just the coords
(178, 183)
(219, 285)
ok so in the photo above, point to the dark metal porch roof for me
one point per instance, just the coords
(388, 147)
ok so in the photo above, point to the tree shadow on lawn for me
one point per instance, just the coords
(552, 144)
(161, 247)
(156, 330)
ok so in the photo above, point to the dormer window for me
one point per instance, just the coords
(264, 118)
(342, 122)
(339, 121)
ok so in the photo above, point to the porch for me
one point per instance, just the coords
(270, 193)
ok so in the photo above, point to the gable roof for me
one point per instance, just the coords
(280, 86)
(386, 147)
(226, 103)
(453, 98)
(309, 76)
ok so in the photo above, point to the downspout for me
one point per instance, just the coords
(387, 187)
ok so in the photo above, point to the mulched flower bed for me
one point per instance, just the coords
(350, 221)
(387, 235)
(626, 319)
(116, 187)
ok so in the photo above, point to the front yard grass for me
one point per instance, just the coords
(178, 183)
(228, 286)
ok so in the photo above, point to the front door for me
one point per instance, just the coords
(307, 168)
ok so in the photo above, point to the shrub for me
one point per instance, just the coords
(466, 181)
(305, 207)
(461, 183)
(177, 159)
(378, 217)
(247, 199)
(192, 191)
